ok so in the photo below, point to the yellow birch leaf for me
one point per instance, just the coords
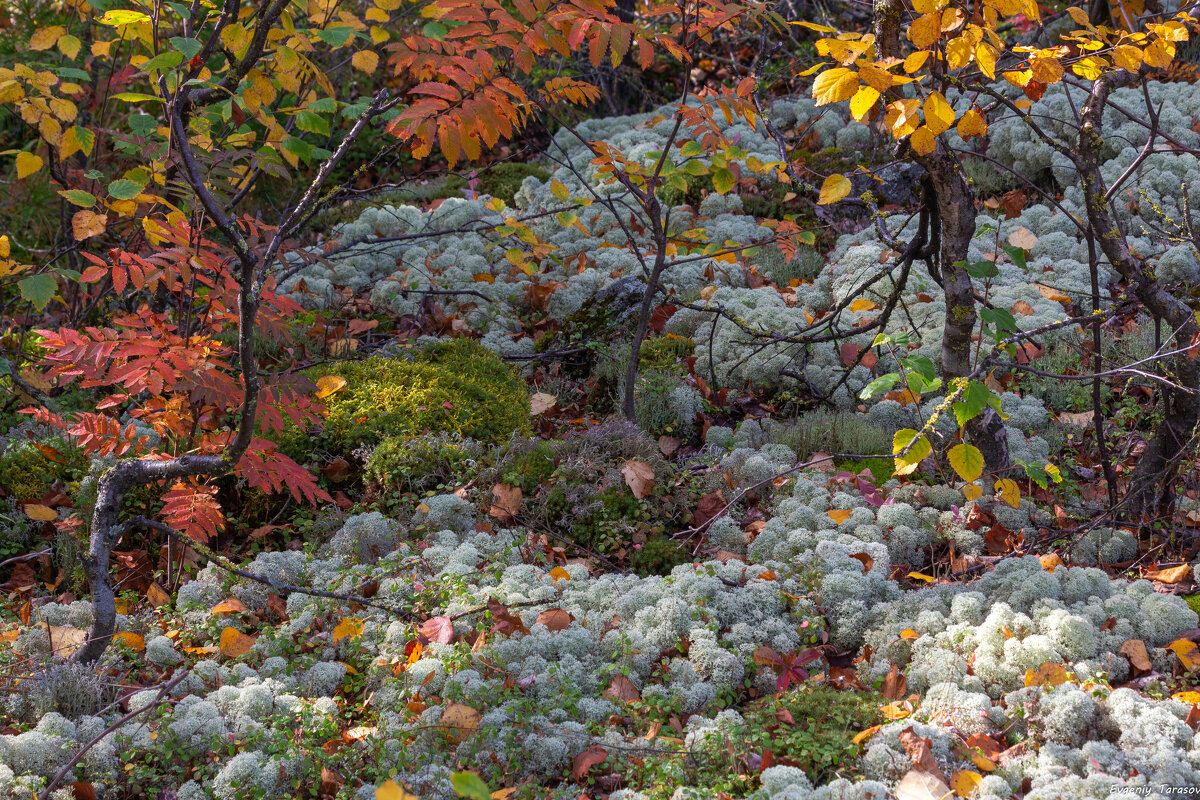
(939, 116)
(833, 189)
(27, 164)
(909, 634)
(1048, 674)
(952, 19)
(972, 124)
(966, 460)
(839, 515)
(45, 38)
(901, 116)
(835, 85)
(86, 224)
(965, 782)
(1008, 491)
(959, 51)
(1127, 57)
(559, 574)
(862, 102)
(69, 46)
(985, 58)
(1050, 562)
(1189, 657)
(863, 304)
(365, 61)
(925, 30)
(133, 641)
(876, 78)
(922, 141)
(915, 61)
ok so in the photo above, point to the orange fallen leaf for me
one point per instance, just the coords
(133, 641)
(1188, 653)
(460, 721)
(234, 643)
(555, 619)
(1169, 574)
(839, 515)
(1048, 674)
(230, 606)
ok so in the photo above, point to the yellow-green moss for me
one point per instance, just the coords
(455, 387)
(27, 474)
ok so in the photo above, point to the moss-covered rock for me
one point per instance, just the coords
(456, 387)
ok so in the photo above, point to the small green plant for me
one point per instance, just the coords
(423, 463)
(658, 556)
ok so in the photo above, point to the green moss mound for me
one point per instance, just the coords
(27, 473)
(455, 387)
(502, 180)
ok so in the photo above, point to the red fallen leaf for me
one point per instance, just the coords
(342, 502)
(277, 606)
(1109, 624)
(707, 507)
(555, 619)
(850, 352)
(583, 763)
(660, 315)
(977, 518)
(1000, 540)
(83, 790)
(1013, 203)
(785, 717)
(337, 471)
(1027, 352)
(986, 745)
(506, 622)
(438, 629)
(866, 560)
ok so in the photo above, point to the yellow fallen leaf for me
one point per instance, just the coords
(972, 492)
(230, 606)
(133, 641)
(862, 736)
(897, 709)
(40, 512)
(1048, 674)
(1052, 294)
(862, 304)
(983, 762)
(839, 515)
(1008, 491)
(560, 574)
(965, 782)
(122, 605)
(347, 627)
(390, 790)
(234, 643)
(1192, 698)
(329, 385)
(909, 633)
(1050, 562)
(921, 576)
(1022, 238)
(157, 595)
(1188, 653)
(460, 721)
(64, 640)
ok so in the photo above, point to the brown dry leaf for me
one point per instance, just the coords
(157, 595)
(866, 560)
(1135, 651)
(1169, 574)
(1078, 419)
(555, 619)
(593, 756)
(895, 685)
(508, 502)
(1023, 238)
(460, 721)
(667, 445)
(639, 477)
(230, 606)
(707, 507)
(83, 790)
(234, 643)
(725, 556)
(64, 640)
(331, 782)
(542, 402)
(920, 750)
(1022, 308)
(917, 785)
(621, 688)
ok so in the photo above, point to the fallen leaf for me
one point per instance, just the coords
(896, 710)
(1169, 574)
(541, 402)
(555, 619)
(508, 502)
(895, 684)
(64, 640)
(331, 782)
(40, 512)
(1135, 651)
(1188, 653)
(1050, 562)
(917, 785)
(583, 763)
(639, 477)
(909, 633)
(390, 790)
(866, 560)
(707, 507)
(839, 515)
(133, 641)
(1022, 308)
(438, 629)
(920, 751)
(559, 574)
(1048, 674)
(157, 595)
(329, 385)
(347, 627)
(1023, 238)
(234, 643)
(965, 782)
(230, 606)
(459, 721)
(621, 688)
(862, 736)
(1052, 294)
(921, 576)
(667, 445)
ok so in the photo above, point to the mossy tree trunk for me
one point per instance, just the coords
(954, 225)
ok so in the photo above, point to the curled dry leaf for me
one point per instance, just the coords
(639, 477)
(1135, 651)
(230, 606)
(1169, 574)
(508, 502)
